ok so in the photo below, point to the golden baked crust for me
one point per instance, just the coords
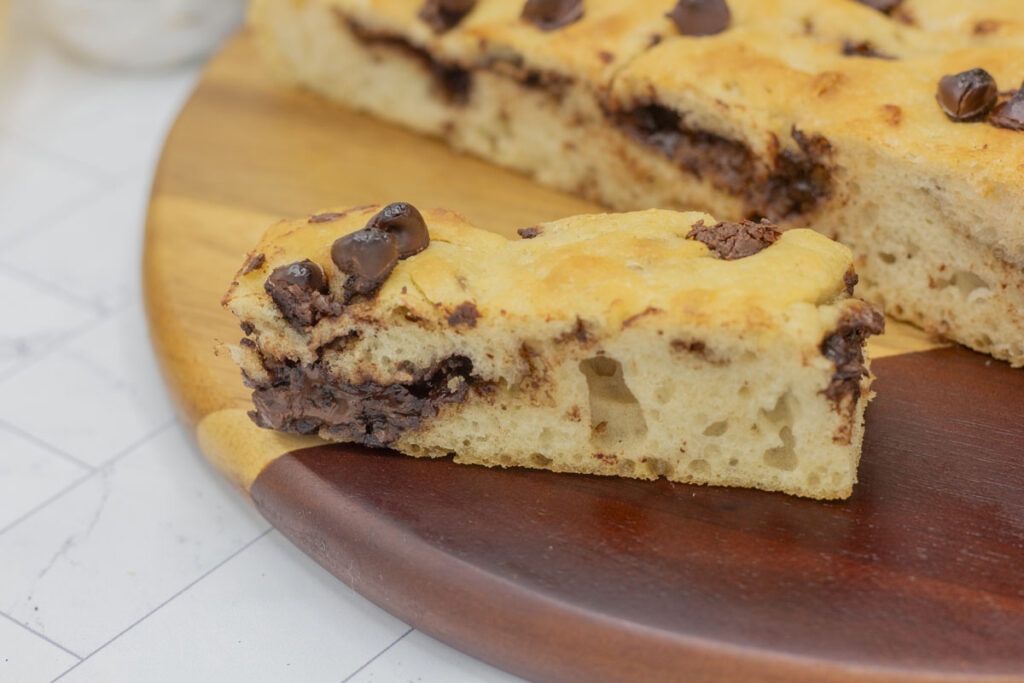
(644, 344)
(811, 112)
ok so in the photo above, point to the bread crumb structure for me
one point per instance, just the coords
(646, 344)
(831, 114)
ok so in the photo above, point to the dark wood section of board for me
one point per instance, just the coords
(919, 575)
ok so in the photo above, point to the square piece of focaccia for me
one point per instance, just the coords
(647, 344)
(895, 127)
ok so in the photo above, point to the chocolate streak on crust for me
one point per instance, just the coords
(844, 348)
(452, 81)
(303, 399)
(792, 182)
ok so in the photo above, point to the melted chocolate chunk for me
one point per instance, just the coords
(325, 217)
(733, 241)
(253, 263)
(443, 15)
(700, 17)
(789, 184)
(883, 6)
(844, 348)
(1010, 114)
(452, 81)
(850, 279)
(406, 223)
(300, 292)
(864, 49)
(549, 15)
(305, 399)
(367, 257)
(529, 233)
(967, 96)
(465, 313)
(248, 327)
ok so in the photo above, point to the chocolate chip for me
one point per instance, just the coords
(325, 217)
(850, 279)
(300, 292)
(700, 17)
(529, 233)
(733, 241)
(443, 15)
(406, 224)
(253, 263)
(883, 6)
(248, 327)
(548, 15)
(367, 257)
(967, 96)
(465, 313)
(1010, 114)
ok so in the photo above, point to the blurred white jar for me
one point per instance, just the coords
(141, 33)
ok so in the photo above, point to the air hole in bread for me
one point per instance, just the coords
(539, 460)
(783, 457)
(716, 428)
(699, 466)
(616, 419)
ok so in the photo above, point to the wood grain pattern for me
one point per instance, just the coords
(578, 577)
(919, 575)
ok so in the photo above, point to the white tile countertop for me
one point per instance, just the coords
(123, 555)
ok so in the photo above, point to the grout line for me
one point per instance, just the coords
(51, 288)
(56, 156)
(117, 456)
(40, 635)
(165, 602)
(66, 339)
(4, 424)
(374, 658)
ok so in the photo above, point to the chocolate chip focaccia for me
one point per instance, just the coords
(642, 344)
(831, 113)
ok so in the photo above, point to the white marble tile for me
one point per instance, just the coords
(103, 385)
(121, 543)
(268, 614)
(27, 658)
(34, 188)
(105, 278)
(119, 125)
(29, 475)
(418, 657)
(34, 319)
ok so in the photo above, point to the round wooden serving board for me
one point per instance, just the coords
(919, 576)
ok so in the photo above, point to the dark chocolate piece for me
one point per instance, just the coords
(367, 257)
(883, 6)
(248, 327)
(791, 183)
(1010, 114)
(844, 348)
(700, 17)
(733, 241)
(549, 15)
(406, 223)
(325, 217)
(465, 313)
(300, 292)
(303, 399)
(850, 279)
(253, 263)
(443, 15)
(967, 96)
(864, 49)
(529, 233)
